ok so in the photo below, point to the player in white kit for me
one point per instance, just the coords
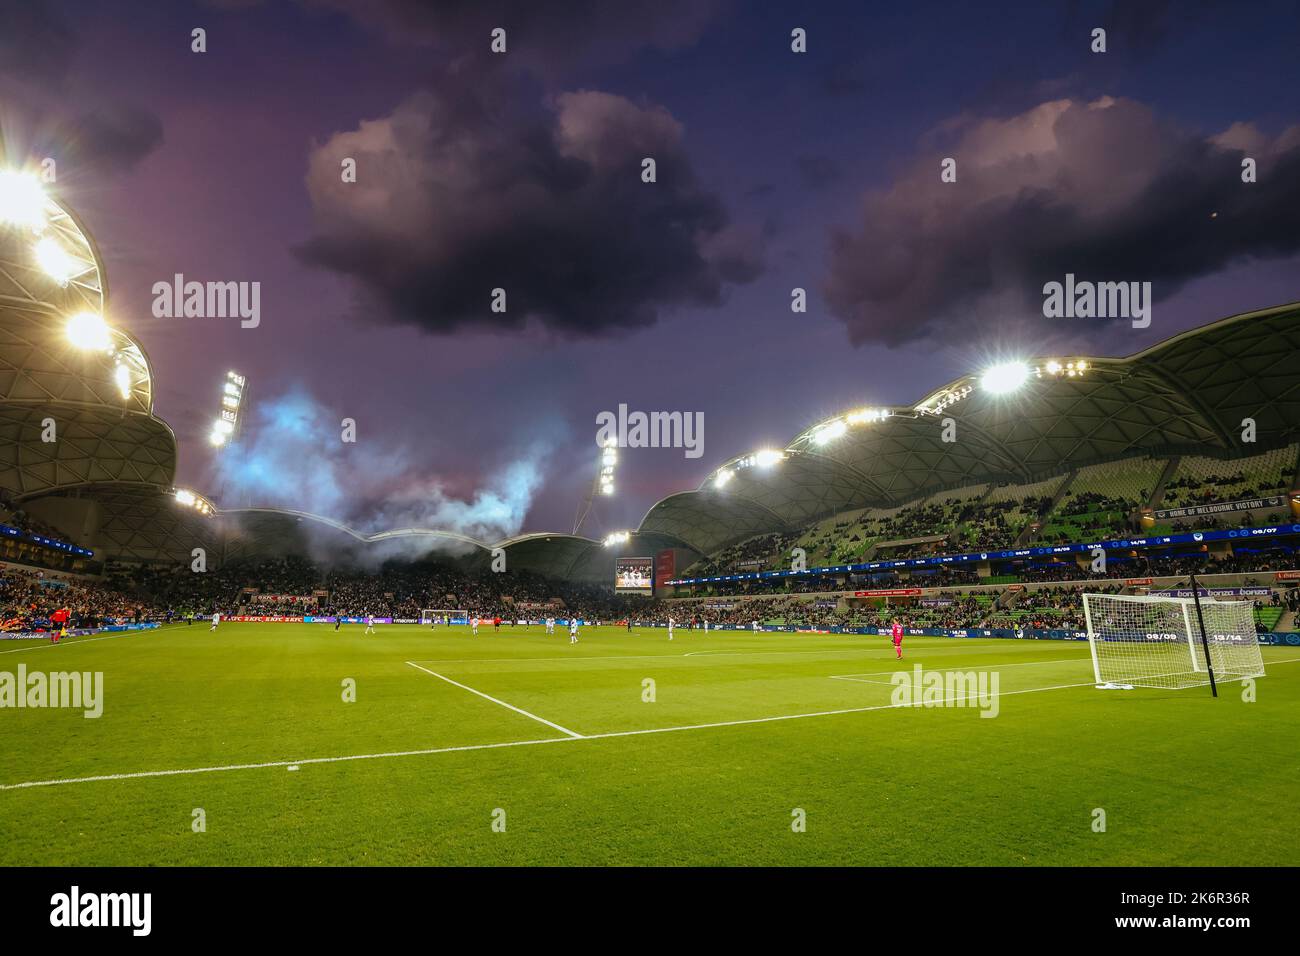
(370, 624)
(573, 630)
(550, 625)
(670, 629)
(473, 624)
(216, 619)
(754, 625)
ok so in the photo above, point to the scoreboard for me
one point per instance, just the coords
(634, 574)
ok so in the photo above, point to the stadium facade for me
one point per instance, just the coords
(87, 470)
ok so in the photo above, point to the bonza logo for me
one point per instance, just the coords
(103, 909)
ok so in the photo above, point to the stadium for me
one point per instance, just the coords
(752, 680)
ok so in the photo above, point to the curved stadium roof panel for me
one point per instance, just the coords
(1186, 394)
(60, 360)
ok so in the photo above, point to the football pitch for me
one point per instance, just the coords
(293, 744)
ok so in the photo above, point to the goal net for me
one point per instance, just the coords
(1152, 641)
(443, 615)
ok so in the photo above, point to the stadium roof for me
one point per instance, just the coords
(1023, 422)
(64, 363)
(65, 357)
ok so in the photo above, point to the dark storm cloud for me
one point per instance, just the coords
(456, 196)
(112, 139)
(1104, 190)
(1139, 25)
(36, 43)
(555, 35)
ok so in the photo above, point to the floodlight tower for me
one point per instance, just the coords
(230, 417)
(234, 397)
(602, 484)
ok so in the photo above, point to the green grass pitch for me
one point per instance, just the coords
(744, 730)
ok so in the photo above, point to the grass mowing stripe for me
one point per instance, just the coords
(521, 743)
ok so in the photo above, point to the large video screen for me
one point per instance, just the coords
(634, 574)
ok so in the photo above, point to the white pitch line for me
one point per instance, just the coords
(278, 763)
(74, 642)
(517, 710)
(1059, 660)
(512, 743)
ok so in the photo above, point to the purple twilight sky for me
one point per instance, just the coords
(521, 170)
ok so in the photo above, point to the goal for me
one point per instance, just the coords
(437, 615)
(1153, 641)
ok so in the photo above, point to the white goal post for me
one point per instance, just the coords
(1154, 641)
(442, 615)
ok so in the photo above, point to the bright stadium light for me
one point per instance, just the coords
(1005, 378)
(191, 500)
(233, 397)
(617, 537)
(122, 376)
(829, 432)
(864, 415)
(89, 331)
(54, 260)
(766, 457)
(22, 200)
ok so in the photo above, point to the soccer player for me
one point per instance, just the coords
(629, 625)
(473, 625)
(754, 625)
(338, 620)
(573, 630)
(216, 619)
(670, 629)
(898, 638)
(370, 624)
(550, 626)
(496, 625)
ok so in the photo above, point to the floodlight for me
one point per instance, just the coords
(89, 331)
(54, 260)
(1054, 367)
(185, 497)
(22, 200)
(829, 432)
(721, 478)
(223, 426)
(217, 438)
(767, 456)
(122, 376)
(1005, 378)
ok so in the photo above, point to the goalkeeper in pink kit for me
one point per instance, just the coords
(898, 638)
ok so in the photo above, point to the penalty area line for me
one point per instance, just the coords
(517, 710)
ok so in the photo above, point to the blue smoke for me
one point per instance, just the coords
(290, 456)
